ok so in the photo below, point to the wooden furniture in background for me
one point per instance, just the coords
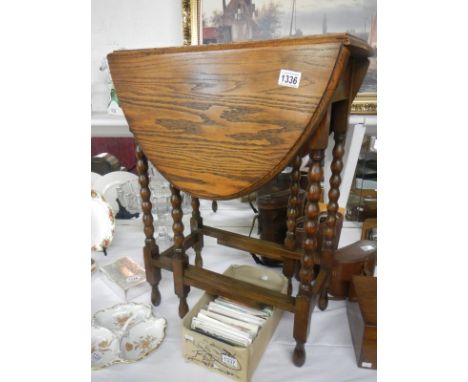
(215, 122)
(359, 258)
(362, 316)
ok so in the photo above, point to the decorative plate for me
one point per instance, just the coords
(93, 266)
(104, 347)
(108, 184)
(117, 317)
(124, 333)
(102, 222)
(142, 338)
(94, 178)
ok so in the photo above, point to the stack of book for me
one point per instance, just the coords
(231, 322)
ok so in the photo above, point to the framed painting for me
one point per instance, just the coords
(224, 21)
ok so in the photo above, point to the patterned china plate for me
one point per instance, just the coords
(104, 347)
(142, 338)
(124, 333)
(102, 222)
(118, 317)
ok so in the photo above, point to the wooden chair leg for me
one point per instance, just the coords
(180, 258)
(289, 265)
(196, 222)
(306, 274)
(150, 250)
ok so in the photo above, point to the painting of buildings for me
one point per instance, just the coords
(224, 21)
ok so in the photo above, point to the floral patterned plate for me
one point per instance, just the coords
(102, 223)
(124, 333)
(118, 317)
(104, 347)
(142, 338)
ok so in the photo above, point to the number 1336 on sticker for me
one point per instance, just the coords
(289, 78)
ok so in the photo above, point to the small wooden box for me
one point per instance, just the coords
(362, 316)
(355, 259)
(236, 362)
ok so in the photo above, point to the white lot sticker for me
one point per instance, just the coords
(366, 364)
(230, 361)
(133, 278)
(366, 248)
(289, 78)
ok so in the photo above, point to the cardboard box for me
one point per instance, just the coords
(238, 363)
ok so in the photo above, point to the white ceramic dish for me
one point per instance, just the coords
(107, 186)
(102, 222)
(118, 317)
(124, 333)
(104, 347)
(142, 338)
(94, 178)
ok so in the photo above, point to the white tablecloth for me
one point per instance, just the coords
(330, 354)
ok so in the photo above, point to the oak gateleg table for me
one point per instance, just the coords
(220, 121)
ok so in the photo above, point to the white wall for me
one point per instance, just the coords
(129, 24)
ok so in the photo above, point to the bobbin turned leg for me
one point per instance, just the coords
(293, 206)
(196, 222)
(306, 274)
(150, 250)
(180, 258)
(339, 126)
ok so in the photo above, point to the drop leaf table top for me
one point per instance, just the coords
(213, 118)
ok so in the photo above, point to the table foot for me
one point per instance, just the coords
(155, 296)
(299, 354)
(323, 300)
(183, 307)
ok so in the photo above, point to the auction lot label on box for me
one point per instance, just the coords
(230, 361)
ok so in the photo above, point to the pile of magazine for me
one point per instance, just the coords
(231, 322)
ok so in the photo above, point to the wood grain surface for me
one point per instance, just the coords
(362, 317)
(214, 120)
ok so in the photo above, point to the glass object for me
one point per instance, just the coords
(129, 197)
(362, 202)
(186, 203)
(161, 201)
(126, 278)
(121, 196)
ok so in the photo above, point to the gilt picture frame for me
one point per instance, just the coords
(223, 21)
